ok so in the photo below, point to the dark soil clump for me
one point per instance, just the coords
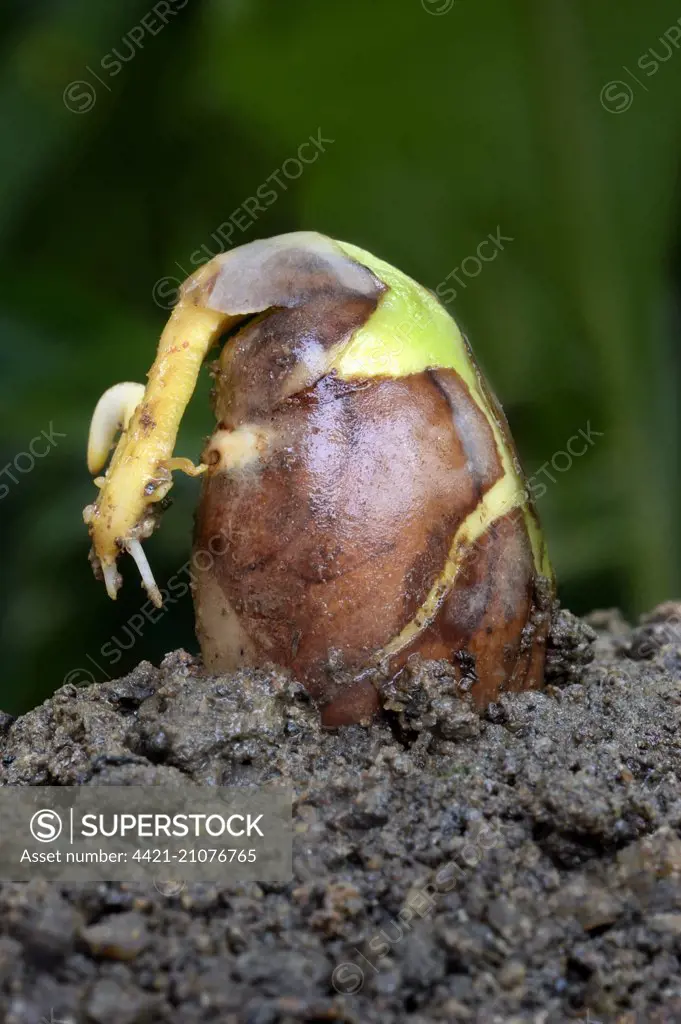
(521, 866)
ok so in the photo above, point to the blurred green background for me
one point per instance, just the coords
(449, 121)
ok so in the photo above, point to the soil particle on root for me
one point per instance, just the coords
(521, 866)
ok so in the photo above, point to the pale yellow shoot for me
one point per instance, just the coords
(139, 474)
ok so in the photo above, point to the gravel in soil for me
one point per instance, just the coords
(521, 866)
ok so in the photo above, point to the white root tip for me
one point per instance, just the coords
(112, 580)
(112, 413)
(148, 581)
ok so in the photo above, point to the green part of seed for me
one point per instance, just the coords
(409, 332)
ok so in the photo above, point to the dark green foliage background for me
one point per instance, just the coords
(444, 128)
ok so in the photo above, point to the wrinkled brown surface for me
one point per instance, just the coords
(334, 542)
(493, 623)
(557, 814)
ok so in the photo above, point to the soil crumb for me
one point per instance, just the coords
(521, 866)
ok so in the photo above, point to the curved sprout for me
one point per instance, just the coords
(283, 271)
(112, 413)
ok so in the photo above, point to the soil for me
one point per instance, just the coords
(521, 866)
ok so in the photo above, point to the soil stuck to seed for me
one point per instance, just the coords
(555, 818)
